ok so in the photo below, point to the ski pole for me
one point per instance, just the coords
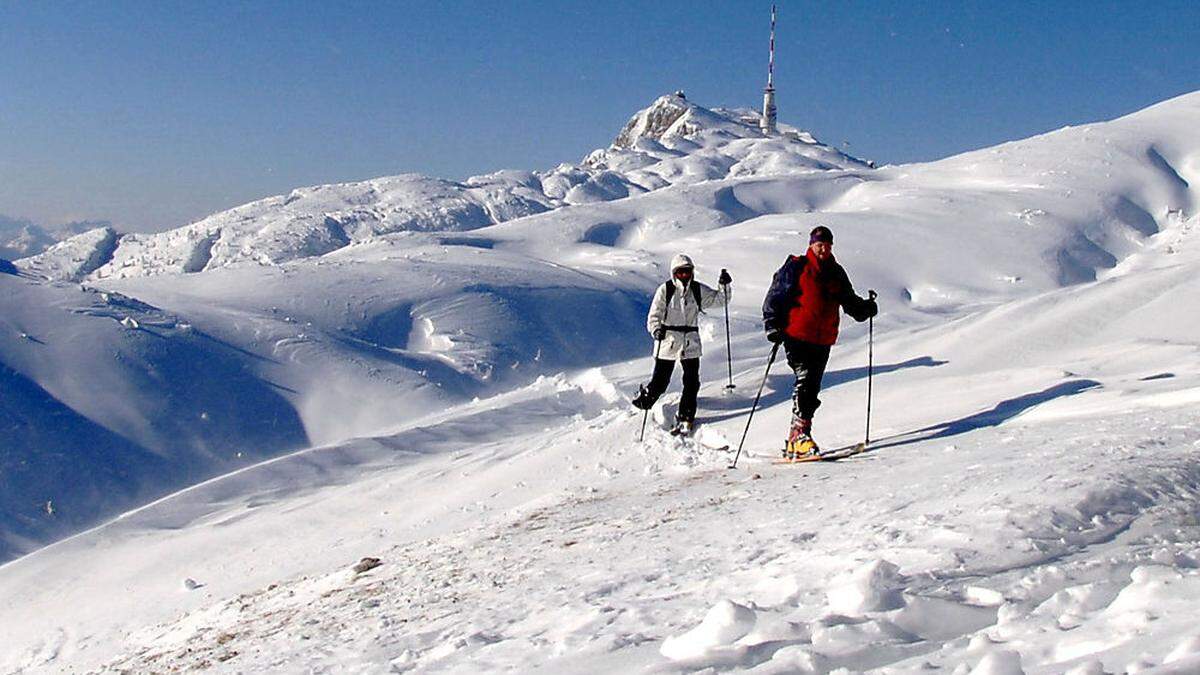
(770, 361)
(728, 346)
(646, 413)
(870, 367)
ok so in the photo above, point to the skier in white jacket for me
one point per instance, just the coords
(673, 321)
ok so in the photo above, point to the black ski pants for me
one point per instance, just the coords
(691, 384)
(808, 361)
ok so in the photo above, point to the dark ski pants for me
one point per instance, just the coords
(808, 361)
(691, 384)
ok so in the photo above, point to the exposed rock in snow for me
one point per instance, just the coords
(366, 565)
(669, 116)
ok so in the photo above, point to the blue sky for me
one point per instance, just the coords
(152, 114)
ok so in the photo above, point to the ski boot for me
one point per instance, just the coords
(682, 427)
(799, 443)
(642, 401)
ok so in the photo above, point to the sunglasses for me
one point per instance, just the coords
(685, 272)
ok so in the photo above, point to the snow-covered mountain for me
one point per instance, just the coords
(23, 238)
(672, 142)
(457, 373)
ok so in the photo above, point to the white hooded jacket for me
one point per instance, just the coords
(682, 311)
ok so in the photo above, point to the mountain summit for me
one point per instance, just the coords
(674, 115)
(673, 141)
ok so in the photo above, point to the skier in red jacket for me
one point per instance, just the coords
(801, 310)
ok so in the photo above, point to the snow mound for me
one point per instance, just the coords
(593, 381)
(874, 587)
(999, 662)
(726, 623)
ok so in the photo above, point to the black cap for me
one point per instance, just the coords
(820, 233)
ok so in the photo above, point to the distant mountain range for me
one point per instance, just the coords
(21, 238)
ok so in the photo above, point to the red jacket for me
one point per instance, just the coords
(806, 297)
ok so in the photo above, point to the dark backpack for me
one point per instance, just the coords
(669, 289)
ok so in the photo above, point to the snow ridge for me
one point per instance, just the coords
(700, 145)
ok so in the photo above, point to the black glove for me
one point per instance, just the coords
(725, 279)
(774, 335)
(860, 310)
(660, 333)
(870, 309)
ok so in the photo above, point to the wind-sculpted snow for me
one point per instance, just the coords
(75, 258)
(108, 402)
(61, 470)
(394, 328)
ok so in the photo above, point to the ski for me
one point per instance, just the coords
(831, 456)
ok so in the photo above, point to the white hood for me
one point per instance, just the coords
(680, 260)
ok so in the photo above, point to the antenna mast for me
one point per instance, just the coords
(767, 124)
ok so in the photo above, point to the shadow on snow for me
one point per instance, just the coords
(1000, 413)
(779, 388)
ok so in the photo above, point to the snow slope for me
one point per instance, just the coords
(109, 402)
(1030, 506)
